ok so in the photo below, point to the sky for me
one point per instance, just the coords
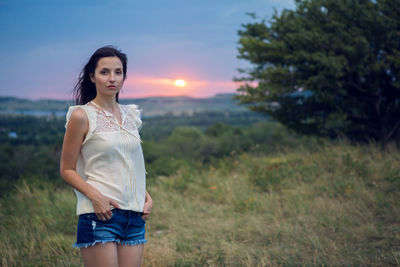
(45, 44)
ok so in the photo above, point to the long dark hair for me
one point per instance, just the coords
(85, 90)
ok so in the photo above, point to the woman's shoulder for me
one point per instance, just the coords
(79, 113)
(76, 113)
(82, 116)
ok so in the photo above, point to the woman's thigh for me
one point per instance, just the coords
(100, 255)
(130, 256)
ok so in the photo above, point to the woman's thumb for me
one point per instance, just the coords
(113, 203)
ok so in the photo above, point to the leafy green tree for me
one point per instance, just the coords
(329, 68)
(188, 142)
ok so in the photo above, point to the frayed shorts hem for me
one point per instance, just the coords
(123, 242)
(125, 227)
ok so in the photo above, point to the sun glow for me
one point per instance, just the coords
(146, 85)
(180, 83)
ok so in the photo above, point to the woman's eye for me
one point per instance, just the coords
(103, 72)
(119, 72)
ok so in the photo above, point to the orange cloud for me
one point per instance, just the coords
(143, 86)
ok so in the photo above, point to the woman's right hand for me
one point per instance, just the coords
(102, 206)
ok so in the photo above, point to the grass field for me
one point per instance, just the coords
(331, 205)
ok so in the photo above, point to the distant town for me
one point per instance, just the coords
(151, 106)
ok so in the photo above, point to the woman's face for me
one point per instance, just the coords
(108, 76)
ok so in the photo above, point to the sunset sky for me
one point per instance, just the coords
(45, 43)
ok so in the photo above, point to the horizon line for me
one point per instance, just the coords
(121, 98)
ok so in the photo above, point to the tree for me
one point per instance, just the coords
(329, 68)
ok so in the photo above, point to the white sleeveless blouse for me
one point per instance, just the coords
(111, 157)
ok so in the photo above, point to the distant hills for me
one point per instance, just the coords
(151, 106)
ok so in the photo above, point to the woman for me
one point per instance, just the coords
(102, 160)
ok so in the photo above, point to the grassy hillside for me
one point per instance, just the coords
(331, 204)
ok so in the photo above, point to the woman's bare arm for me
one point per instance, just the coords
(77, 128)
(148, 205)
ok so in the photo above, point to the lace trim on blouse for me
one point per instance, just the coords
(103, 121)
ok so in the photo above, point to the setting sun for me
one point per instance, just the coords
(180, 83)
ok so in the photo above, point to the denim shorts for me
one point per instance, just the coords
(124, 227)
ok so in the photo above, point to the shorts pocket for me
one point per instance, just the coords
(93, 216)
(141, 218)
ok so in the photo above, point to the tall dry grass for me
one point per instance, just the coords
(332, 205)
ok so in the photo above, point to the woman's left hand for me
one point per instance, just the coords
(148, 205)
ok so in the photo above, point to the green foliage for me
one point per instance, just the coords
(186, 142)
(329, 68)
(157, 128)
(269, 176)
(189, 146)
(244, 203)
(166, 166)
(28, 162)
(35, 153)
(40, 220)
(31, 130)
(333, 204)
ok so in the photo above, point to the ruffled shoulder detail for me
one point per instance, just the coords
(69, 113)
(90, 113)
(136, 113)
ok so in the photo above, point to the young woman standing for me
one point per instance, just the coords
(102, 160)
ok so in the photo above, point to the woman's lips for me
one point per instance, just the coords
(112, 86)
